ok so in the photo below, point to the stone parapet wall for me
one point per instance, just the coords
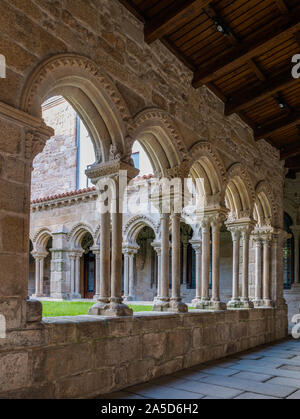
(87, 356)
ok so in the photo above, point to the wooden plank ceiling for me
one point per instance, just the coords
(242, 50)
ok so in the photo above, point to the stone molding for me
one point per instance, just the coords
(68, 60)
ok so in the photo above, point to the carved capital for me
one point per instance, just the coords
(34, 144)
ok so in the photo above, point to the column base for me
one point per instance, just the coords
(296, 287)
(196, 301)
(178, 306)
(246, 304)
(258, 303)
(96, 297)
(235, 304)
(37, 296)
(128, 299)
(76, 297)
(209, 305)
(268, 303)
(110, 309)
(161, 304)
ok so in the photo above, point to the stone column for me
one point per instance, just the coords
(96, 252)
(157, 248)
(246, 303)
(216, 303)
(39, 273)
(296, 231)
(77, 275)
(126, 275)
(236, 236)
(176, 303)
(184, 263)
(162, 303)
(103, 303)
(266, 272)
(60, 286)
(258, 302)
(72, 258)
(129, 255)
(205, 260)
(197, 246)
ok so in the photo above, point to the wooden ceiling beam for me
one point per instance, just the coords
(282, 6)
(133, 9)
(243, 99)
(273, 127)
(242, 53)
(181, 11)
(291, 151)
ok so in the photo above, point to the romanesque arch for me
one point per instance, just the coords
(77, 233)
(135, 224)
(161, 139)
(206, 164)
(40, 239)
(265, 210)
(240, 192)
(91, 93)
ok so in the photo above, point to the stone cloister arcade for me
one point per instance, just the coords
(242, 192)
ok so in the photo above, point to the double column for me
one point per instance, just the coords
(129, 255)
(39, 273)
(163, 302)
(240, 236)
(75, 273)
(157, 247)
(111, 179)
(211, 223)
(263, 243)
(296, 232)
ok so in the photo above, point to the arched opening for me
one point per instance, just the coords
(88, 268)
(288, 253)
(146, 267)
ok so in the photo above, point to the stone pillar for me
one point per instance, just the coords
(245, 301)
(205, 260)
(129, 255)
(39, 273)
(258, 302)
(111, 179)
(184, 263)
(157, 248)
(176, 303)
(236, 236)
(72, 257)
(103, 304)
(162, 303)
(96, 252)
(197, 246)
(60, 285)
(266, 272)
(77, 275)
(216, 303)
(296, 231)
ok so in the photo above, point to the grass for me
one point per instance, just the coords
(73, 308)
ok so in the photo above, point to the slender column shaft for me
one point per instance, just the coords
(131, 275)
(184, 263)
(42, 276)
(258, 271)
(105, 257)
(72, 274)
(245, 278)
(126, 275)
(165, 251)
(77, 281)
(116, 254)
(158, 251)
(198, 271)
(267, 290)
(37, 276)
(236, 265)
(297, 271)
(205, 261)
(97, 274)
(216, 262)
(176, 256)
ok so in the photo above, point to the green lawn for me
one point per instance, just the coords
(58, 309)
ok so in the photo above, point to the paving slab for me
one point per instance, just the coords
(168, 393)
(251, 386)
(253, 396)
(253, 376)
(295, 396)
(283, 381)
